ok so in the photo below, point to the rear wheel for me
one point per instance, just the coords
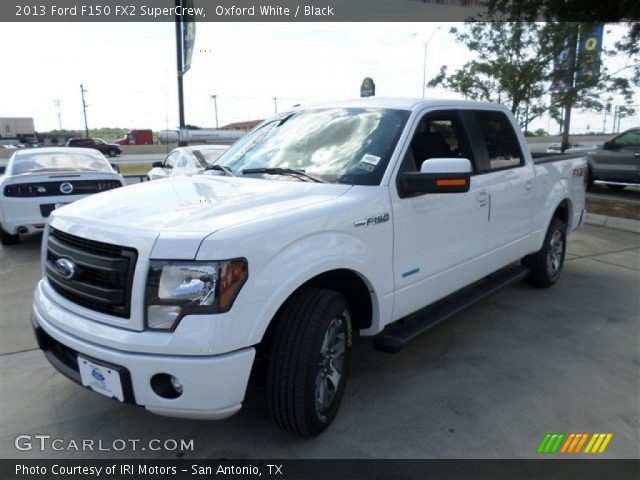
(8, 239)
(308, 361)
(615, 187)
(546, 264)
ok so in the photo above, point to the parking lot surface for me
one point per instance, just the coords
(489, 384)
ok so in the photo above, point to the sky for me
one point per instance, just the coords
(129, 70)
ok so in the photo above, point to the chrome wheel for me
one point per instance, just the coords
(330, 365)
(556, 253)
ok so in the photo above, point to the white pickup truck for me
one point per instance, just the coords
(321, 222)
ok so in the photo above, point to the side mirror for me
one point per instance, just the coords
(115, 167)
(438, 175)
(157, 165)
(607, 145)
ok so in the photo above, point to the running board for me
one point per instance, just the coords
(397, 336)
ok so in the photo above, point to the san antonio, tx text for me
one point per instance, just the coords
(141, 469)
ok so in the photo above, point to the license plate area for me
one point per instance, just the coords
(100, 378)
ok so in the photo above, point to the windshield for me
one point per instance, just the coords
(58, 161)
(343, 145)
(207, 157)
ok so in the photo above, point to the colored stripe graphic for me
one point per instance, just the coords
(550, 442)
(572, 443)
(598, 443)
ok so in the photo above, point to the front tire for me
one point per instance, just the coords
(309, 361)
(113, 152)
(8, 239)
(546, 264)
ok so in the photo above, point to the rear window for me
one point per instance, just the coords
(42, 162)
(500, 139)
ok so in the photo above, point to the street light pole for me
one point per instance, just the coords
(215, 106)
(424, 70)
(275, 104)
(58, 103)
(424, 60)
(84, 111)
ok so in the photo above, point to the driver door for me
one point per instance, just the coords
(440, 239)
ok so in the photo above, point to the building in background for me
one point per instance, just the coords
(245, 126)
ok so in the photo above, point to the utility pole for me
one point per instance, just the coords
(215, 106)
(181, 142)
(275, 104)
(84, 111)
(58, 103)
(571, 91)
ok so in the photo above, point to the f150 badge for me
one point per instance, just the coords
(384, 217)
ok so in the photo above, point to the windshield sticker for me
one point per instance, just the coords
(370, 159)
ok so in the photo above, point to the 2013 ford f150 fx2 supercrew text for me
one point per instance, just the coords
(321, 222)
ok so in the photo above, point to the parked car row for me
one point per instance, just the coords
(186, 160)
(617, 161)
(38, 181)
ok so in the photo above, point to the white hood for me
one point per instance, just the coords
(195, 205)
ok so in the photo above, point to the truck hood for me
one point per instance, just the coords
(194, 206)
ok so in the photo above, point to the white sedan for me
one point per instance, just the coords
(37, 181)
(187, 160)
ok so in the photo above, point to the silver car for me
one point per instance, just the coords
(617, 160)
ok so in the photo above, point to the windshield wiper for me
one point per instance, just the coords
(283, 171)
(221, 168)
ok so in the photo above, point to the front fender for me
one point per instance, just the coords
(311, 256)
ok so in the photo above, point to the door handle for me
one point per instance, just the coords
(528, 185)
(482, 197)
(637, 155)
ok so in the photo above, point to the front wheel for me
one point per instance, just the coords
(308, 361)
(113, 152)
(546, 264)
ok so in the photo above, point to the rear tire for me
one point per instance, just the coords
(8, 239)
(614, 187)
(546, 265)
(308, 361)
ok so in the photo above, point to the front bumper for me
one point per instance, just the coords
(214, 386)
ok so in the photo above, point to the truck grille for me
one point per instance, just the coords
(103, 277)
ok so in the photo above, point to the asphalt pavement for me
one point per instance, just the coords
(488, 384)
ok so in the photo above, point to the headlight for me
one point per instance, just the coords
(179, 288)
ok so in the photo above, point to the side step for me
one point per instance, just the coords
(397, 336)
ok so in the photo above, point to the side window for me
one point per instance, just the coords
(172, 159)
(438, 135)
(500, 139)
(629, 139)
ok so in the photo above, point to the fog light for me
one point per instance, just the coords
(162, 317)
(166, 386)
(176, 384)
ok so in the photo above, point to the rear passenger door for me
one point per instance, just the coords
(511, 179)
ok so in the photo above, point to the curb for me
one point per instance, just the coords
(617, 223)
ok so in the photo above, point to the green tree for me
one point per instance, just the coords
(513, 65)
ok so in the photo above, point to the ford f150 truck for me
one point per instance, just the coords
(321, 222)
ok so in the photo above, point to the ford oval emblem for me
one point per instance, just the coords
(65, 268)
(66, 188)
